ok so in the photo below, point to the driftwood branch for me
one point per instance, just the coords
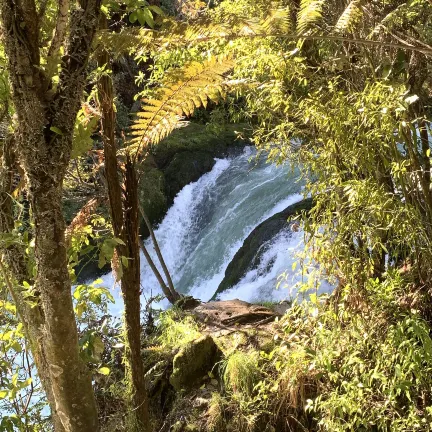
(165, 288)
(174, 294)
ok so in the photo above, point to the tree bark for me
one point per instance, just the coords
(44, 143)
(125, 222)
(14, 259)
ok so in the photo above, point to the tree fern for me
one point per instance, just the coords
(183, 34)
(350, 17)
(310, 13)
(184, 90)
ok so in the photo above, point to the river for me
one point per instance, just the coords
(209, 221)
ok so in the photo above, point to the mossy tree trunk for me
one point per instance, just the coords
(17, 272)
(43, 138)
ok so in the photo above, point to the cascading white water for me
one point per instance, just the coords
(211, 218)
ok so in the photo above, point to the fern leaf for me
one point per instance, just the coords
(180, 34)
(310, 13)
(278, 21)
(350, 17)
(183, 91)
(392, 18)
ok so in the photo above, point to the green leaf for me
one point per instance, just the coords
(141, 16)
(16, 346)
(104, 370)
(118, 241)
(157, 10)
(98, 347)
(124, 261)
(15, 379)
(56, 130)
(133, 17)
(3, 394)
(148, 17)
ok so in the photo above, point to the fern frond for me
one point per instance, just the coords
(124, 42)
(184, 90)
(181, 34)
(278, 21)
(391, 19)
(350, 17)
(310, 13)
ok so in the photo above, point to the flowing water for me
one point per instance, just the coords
(209, 221)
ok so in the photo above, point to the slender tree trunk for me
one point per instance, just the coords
(163, 285)
(131, 293)
(124, 216)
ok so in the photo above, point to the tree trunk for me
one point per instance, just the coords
(125, 222)
(14, 258)
(70, 380)
(44, 143)
(173, 295)
(130, 284)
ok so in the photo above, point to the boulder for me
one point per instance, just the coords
(193, 362)
(197, 137)
(232, 312)
(249, 255)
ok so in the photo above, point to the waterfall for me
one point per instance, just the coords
(211, 218)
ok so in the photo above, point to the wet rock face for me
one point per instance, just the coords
(186, 167)
(249, 255)
(193, 362)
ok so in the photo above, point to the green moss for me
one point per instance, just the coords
(196, 137)
(193, 362)
(151, 192)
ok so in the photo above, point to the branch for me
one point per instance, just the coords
(60, 32)
(174, 294)
(426, 51)
(83, 24)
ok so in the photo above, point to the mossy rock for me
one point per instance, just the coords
(197, 137)
(193, 362)
(151, 193)
(186, 167)
(249, 255)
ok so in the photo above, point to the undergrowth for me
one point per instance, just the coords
(176, 329)
(358, 360)
(361, 363)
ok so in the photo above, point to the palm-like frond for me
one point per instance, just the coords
(278, 21)
(397, 15)
(309, 14)
(184, 90)
(350, 17)
(181, 34)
